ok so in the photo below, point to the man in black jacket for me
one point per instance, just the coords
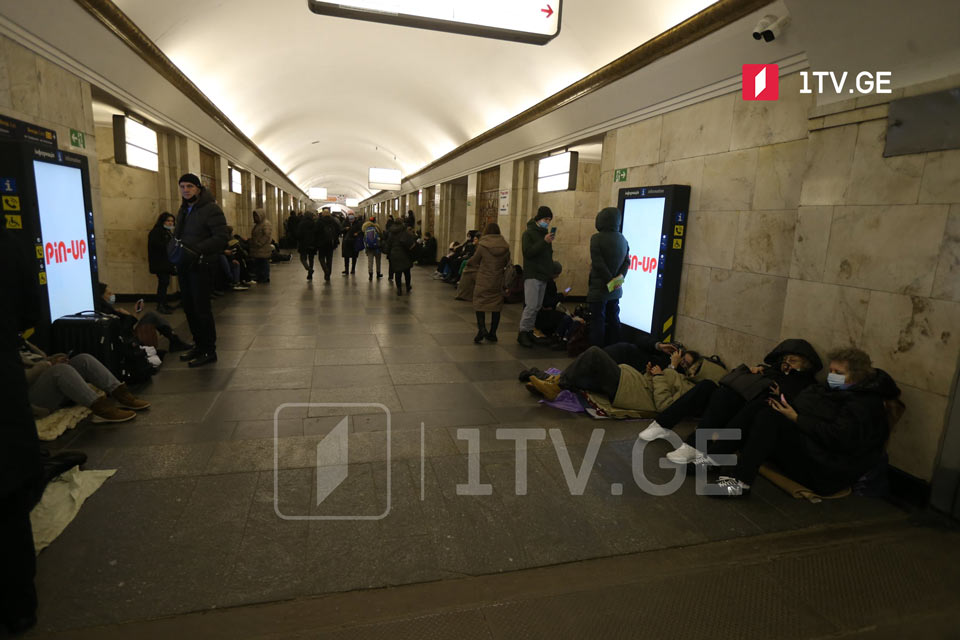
(202, 228)
(327, 233)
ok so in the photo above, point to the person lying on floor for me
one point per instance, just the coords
(104, 304)
(826, 439)
(620, 390)
(55, 380)
(788, 369)
(644, 351)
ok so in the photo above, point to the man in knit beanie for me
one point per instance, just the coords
(537, 243)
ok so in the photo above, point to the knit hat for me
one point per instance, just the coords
(543, 212)
(557, 268)
(190, 178)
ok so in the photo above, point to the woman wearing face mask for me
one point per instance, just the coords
(160, 266)
(828, 437)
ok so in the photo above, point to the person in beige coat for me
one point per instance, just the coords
(491, 258)
(260, 246)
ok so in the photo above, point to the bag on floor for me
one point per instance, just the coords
(99, 334)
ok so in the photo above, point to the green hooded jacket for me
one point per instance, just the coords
(609, 256)
(537, 253)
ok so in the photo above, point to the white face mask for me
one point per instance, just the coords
(837, 381)
(168, 227)
(112, 298)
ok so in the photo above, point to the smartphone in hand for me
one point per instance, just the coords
(567, 290)
(553, 231)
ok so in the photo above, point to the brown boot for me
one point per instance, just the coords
(127, 400)
(104, 411)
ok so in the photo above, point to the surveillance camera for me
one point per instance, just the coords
(763, 25)
(775, 29)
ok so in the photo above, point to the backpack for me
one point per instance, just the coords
(371, 239)
(513, 283)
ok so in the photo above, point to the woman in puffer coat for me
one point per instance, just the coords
(260, 247)
(609, 258)
(491, 258)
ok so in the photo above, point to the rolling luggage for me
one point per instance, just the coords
(98, 334)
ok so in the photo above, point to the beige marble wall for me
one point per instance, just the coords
(799, 227)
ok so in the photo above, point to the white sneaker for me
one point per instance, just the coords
(653, 432)
(684, 454)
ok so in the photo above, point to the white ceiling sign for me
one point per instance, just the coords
(531, 21)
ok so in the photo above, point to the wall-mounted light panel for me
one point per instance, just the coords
(558, 173)
(384, 179)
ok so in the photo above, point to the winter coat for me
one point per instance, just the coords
(791, 382)
(668, 387)
(202, 227)
(846, 429)
(157, 241)
(326, 233)
(306, 235)
(398, 247)
(350, 234)
(429, 254)
(260, 237)
(491, 258)
(609, 256)
(537, 253)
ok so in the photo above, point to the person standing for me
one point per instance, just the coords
(372, 239)
(491, 258)
(352, 244)
(202, 229)
(609, 258)
(260, 247)
(157, 241)
(327, 231)
(306, 242)
(398, 248)
(537, 243)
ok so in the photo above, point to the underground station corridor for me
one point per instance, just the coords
(652, 329)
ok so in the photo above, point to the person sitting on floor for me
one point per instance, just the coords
(54, 380)
(827, 438)
(788, 369)
(444, 266)
(627, 390)
(104, 304)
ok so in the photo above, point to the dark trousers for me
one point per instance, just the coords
(163, 283)
(723, 407)
(692, 403)
(637, 357)
(405, 274)
(326, 262)
(347, 266)
(593, 370)
(18, 596)
(306, 259)
(261, 269)
(604, 323)
(196, 285)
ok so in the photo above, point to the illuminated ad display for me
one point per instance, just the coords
(66, 246)
(655, 224)
(529, 21)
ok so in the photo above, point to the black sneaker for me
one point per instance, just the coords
(189, 355)
(202, 359)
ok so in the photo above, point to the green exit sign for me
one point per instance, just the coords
(77, 139)
(620, 175)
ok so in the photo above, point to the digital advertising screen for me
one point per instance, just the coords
(654, 224)
(63, 226)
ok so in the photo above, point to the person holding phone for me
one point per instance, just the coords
(537, 246)
(105, 304)
(609, 259)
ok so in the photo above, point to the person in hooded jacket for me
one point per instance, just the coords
(260, 247)
(609, 258)
(789, 368)
(398, 248)
(202, 228)
(352, 232)
(491, 258)
(372, 245)
(306, 243)
(157, 241)
(827, 437)
(327, 231)
(537, 243)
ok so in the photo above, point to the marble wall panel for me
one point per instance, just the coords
(608, 157)
(728, 180)
(130, 213)
(711, 238)
(694, 289)
(915, 441)
(6, 98)
(746, 302)
(916, 340)
(124, 245)
(689, 172)
(696, 334)
(122, 181)
(765, 242)
(811, 241)
(856, 115)
(780, 170)
(698, 130)
(829, 163)
(736, 347)
(638, 144)
(758, 123)
(588, 176)
(586, 204)
(868, 247)
(61, 99)
(933, 86)
(24, 78)
(607, 197)
(941, 177)
(946, 282)
(878, 180)
(825, 315)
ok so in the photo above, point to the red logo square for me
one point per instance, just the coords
(761, 82)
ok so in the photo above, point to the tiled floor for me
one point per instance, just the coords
(190, 520)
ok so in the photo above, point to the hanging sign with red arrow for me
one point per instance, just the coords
(529, 21)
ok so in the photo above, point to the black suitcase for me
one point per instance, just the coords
(98, 334)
